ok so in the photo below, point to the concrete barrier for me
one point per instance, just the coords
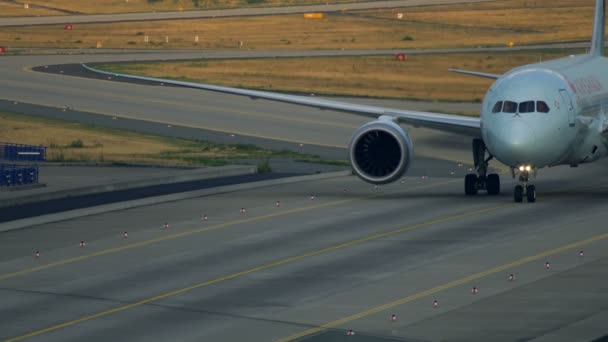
(71, 214)
(199, 174)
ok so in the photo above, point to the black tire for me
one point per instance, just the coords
(518, 193)
(493, 184)
(531, 193)
(470, 184)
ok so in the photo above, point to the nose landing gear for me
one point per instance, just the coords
(481, 181)
(524, 189)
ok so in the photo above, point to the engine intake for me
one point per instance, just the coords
(380, 151)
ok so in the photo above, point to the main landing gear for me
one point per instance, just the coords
(524, 189)
(481, 180)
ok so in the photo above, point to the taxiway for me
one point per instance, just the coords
(307, 269)
(251, 11)
(312, 269)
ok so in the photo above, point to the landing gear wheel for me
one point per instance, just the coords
(470, 184)
(493, 184)
(518, 193)
(531, 193)
(481, 180)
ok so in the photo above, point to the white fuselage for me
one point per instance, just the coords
(551, 113)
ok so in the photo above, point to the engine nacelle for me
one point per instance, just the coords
(380, 151)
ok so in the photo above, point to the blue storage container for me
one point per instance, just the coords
(12, 151)
(14, 175)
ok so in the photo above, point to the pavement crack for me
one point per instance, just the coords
(229, 315)
(517, 287)
(163, 306)
(67, 295)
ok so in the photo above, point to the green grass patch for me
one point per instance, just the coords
(76, 142)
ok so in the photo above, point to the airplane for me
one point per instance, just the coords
(534, 116)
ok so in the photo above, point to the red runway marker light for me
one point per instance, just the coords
(511, 277)
(68, 27)
(435, 303)
(37, 254)
(393, 318)
(125, 235)
(474, 290)
(82, 244)
(547, 265)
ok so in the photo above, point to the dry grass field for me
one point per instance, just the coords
(8, 9)
(529, 21)
(421, 77)
(124, 6)
(74, 142)
(494, 23)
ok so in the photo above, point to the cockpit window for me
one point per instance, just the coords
(526, 107)
(509, 107)
(542, 107)
(497, 107)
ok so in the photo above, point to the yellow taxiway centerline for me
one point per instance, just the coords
(201, 230)
(259, 268)
(443, 287)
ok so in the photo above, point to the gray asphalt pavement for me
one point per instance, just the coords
(345, 260)
(186, 132)
(174, 106)
(221, 113)
(97, 18)
(306, 269)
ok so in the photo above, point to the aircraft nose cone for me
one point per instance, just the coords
(518, 143)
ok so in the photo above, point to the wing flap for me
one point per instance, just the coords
(475, 73)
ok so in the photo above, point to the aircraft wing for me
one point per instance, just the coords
(460, 124)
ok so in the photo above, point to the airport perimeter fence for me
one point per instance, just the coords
(15, 175)
(21, 152)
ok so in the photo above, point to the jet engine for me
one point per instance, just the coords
(380, 151)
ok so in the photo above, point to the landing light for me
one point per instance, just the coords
(523, 168)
